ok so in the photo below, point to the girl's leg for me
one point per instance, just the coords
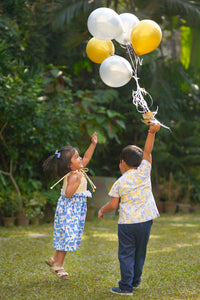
(58, 265)
(59, 258)
(55, 256)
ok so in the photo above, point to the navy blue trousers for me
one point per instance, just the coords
(133, 240)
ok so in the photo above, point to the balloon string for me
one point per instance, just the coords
(138, 99)
(137, 96)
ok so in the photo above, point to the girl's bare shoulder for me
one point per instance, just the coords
(74, 175)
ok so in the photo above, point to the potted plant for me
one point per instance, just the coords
(168, 193)
(22, 217)
(51, 197)
(35, 206)
(9, 205)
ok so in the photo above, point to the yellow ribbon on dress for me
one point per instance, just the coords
(84, 170)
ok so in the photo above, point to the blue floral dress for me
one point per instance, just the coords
(70, 217)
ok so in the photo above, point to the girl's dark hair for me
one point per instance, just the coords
(132, 155)
(59, 163)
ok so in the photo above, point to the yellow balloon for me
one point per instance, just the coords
(146, 35)
(99, 50)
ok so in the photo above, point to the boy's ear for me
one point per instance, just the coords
(123, 163)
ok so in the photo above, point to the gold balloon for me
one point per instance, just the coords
(99, 50)
(146, 35)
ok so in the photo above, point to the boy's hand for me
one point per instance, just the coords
(100, 214)
(94, 138)
(154, 127)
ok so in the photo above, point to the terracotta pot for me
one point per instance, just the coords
(9, 221)
(170, 207)
(23, 221)
(160, 205)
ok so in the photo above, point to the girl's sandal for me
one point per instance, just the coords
(60, 272)
(50, 262)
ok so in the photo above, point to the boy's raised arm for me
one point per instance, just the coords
(150, 141)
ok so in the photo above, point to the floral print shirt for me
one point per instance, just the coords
(137, 203)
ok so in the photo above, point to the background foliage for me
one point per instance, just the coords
(51, 93)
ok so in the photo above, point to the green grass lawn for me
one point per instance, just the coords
(171, 269)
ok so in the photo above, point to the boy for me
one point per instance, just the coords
(137, 210)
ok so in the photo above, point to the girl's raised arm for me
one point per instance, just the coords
(88, 154)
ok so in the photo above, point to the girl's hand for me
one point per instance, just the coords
(94, 138)
(88, 154)
(100, 214)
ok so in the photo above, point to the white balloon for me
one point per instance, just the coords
(104, 24)
(115, 71)
(128, 21)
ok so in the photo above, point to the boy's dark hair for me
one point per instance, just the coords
(59, 163)
(132, 155)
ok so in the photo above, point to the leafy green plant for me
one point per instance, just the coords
(9, 203)
(95, 112)
(51, 196)
(50, 110)
(35, 205)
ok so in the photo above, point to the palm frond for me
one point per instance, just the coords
(189, 10)
(62, 12)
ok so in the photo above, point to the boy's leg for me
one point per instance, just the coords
(126, 255)
(142, 233)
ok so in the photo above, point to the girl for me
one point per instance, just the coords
(72, 205)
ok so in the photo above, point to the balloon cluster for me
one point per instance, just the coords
(138, 37)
